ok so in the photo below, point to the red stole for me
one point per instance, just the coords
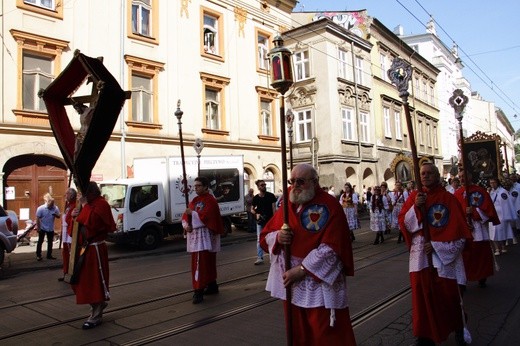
(208, 210)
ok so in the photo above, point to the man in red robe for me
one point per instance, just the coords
(321, 258)
(436, 265)
(478, 253)
(203, 225)
(96, 221)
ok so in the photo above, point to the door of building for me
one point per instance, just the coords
(32, 176)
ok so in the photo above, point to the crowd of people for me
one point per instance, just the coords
(455, 228)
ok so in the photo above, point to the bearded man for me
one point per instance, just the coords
(321, 258)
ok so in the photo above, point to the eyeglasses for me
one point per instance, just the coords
(299, 181)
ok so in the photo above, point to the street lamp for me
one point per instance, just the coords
(282, 80)
(198, 145)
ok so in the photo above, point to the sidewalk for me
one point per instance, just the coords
(23, 258)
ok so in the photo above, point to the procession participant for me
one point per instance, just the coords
(436, 303)
(453, 185)
(263, 208)
(92, 285)
(66, 229)
(378, 207)
(388, 207)
(477, 255)
(505, 211)
(321, 257)
(514, 193)
(397, 198)
(203, 239)
(349, 201)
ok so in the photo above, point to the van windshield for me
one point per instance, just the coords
(114, 194)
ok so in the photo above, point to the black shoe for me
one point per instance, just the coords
(198, 297)
(376, 242)
(38, 258)
(61, 279)
(50, 257)
(424, 342)
(482, 283)
(211, 289)
(90, 325)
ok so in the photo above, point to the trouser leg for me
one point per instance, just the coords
(50, 240)
(41, 237)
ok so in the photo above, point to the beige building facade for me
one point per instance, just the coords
(208, 54)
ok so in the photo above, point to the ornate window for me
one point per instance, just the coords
(359, 70)
(214, 103)
(38, 61)
(343, 63)
(301, 65)
(262, 44)
(387, 124)
(212, 34)
(143, 111)
(347, 116)
(143, 22)
(365, 126)
(303, 126)
(37, 74)
(51, 8)
(397, 120)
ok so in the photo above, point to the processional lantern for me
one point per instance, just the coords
(281, 66)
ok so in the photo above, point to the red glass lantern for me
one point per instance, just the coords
(281, 66)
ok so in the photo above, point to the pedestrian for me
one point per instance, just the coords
(397, 199)
(368, 198)
(388, 208)
(378, 207)
(454, 185)
(203, 239)
(349, 201)
(264, 206)
(45, 216)
(91, 284)
(514, 192)
(506, 213)
(248, 200)
(436, 266)
(478, 252)
(66, 229)
(331, 191)
(321, 257)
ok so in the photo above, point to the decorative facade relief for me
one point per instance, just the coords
(184, 8)
(240, 17)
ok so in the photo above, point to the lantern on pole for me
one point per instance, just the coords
(282, 80)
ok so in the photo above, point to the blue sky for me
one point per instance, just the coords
(486, 32)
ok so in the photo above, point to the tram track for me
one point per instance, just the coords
(185, 295)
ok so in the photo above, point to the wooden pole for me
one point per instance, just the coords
(400, 74)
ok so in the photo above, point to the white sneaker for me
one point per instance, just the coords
(504, 250)
(259, 261)
(515, 241)
(497, 253)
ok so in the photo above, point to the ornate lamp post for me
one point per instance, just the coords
(198, 146)
(178, 115)
(282, 80)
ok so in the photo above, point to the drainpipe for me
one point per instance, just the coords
(122, 78)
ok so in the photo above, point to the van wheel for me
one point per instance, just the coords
(149, 240)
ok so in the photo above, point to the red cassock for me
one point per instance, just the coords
(436, 310)
(326, 225)
(97, 219)
(205, 262)
(478, 256)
